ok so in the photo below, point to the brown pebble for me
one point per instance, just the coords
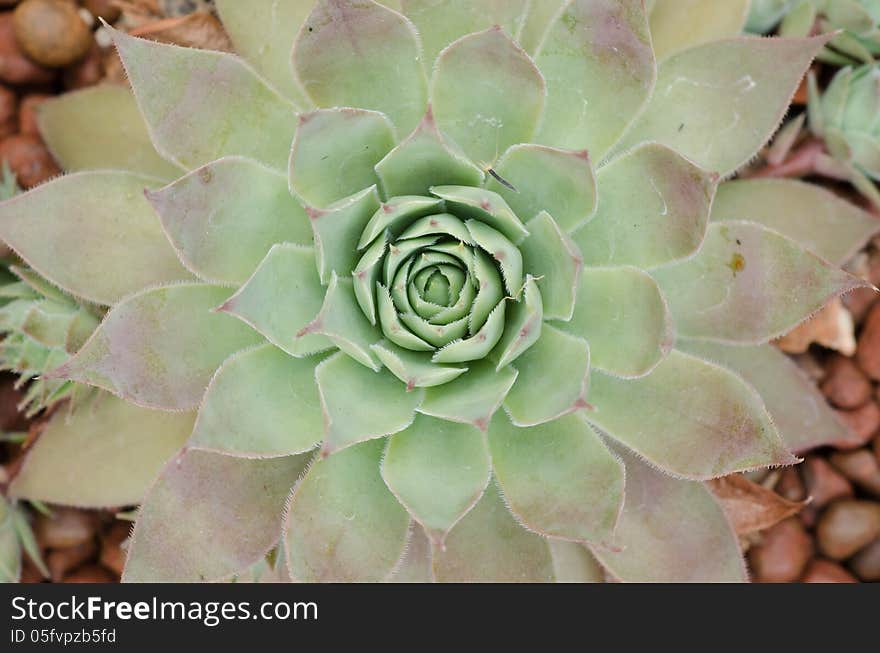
(63, 561)
(782, 554)
(29, 572)
(8, 112)
(847, 526)
(27, 115)
(859, 302)
(112, 555)
(868, 354)
(51, 32)
(866, 563)
(861, 467)
(90, 574)
(29, 159)
(846, 386)
(825, 571)
(67, 527)
(15, 67)
(824, 483)
(106, 9)
(87, 72)
(790, 486)
(863, 422)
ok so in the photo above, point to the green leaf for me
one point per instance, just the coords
(210, 517)
(523, 328)
(553, 378)
(224, 217)
(263, 32)
(100, 128)
(415, 567)
(813, 216)
(560, 182)
(338, 230)
(621, 312)
(344, 323)
(478, 346)
(677, 25)
(261, 403)
(539, 19)
(201, 105)
(718, 103)
(360, 404)
(484, 206)
(474, 81)
(104, 454)
(348, 51)
(653, 208)
(159, 348)
(690, 418)
(671, 531)
(555, 261)
(415, 368)
(281, 298)
(92, 233)
(473, 397)
(441, 23)
(600, 70)
(559, 479)
(335, 151)
(489, 546)
(10, 548)
(573, 563)
(438, 470)
(800, 412)
(425, 158)
(343, 524)
(754, 285)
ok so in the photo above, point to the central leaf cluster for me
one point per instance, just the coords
(443, 275)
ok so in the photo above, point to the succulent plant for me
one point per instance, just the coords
(16, 539)
(857, 21)
(451, 292)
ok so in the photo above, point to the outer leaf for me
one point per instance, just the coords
(263, 32)
(415, 368)
(816, 218)
(201, 105)
(209, 517)
(360, 404)
(100, 128)
(424, 159)
(799, 411)
(553, 258)
(677, 25)
(623, 315)
(690, 418)
(348, 50)
(600, 70)
(438, 470)
(653, 208)
(718, 103)
(573, 563)
(473, 397)
(281, 298)
(754, 285)
(538, 20)
(560, 182)
(224, 217)
(105, 454)
(334, 152)
(160, 347)
(553, 379)
(415, 567)
(489, 546)
(343, 524)
(261, 403)
(474, 81)
(671, 531)
(120, 247)
(559, 478)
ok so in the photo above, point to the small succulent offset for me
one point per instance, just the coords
(847, 118)
(439, 291)
(854, 23)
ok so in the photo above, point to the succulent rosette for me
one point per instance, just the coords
(445, 290)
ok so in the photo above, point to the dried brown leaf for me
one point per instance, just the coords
(749, 506)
